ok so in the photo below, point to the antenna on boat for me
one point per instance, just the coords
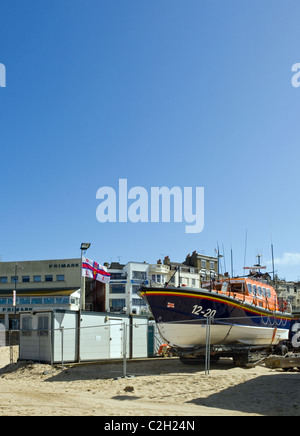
(273, 266)
(245, 248)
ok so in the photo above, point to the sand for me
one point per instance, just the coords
(160, 387)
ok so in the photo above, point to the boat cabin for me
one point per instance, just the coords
(248, 290)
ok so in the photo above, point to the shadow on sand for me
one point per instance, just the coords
(139, 368)
(272, 395)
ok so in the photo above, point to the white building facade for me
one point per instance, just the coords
(122, 291)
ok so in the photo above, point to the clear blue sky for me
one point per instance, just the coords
(162, 93)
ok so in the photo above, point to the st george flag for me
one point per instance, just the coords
(94, 271)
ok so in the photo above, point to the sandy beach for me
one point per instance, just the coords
(158, 387)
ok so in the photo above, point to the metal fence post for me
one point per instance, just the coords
(124, 349)
(11, 355)
(207, 346)
(62, 347)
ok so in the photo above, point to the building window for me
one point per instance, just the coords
(14, 279)
(203, 264)
(135, 289)
(138, 302)
(139, 275)
(37, 278)
(48, 278)
(159, 278)
(25, 279)
(3, 279)
(24, 300)
(117, 288)
(36, 300)
(49, 300)
(62, 300)
(117, 303)
(212, 265)
(60, 278)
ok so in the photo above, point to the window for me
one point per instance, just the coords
(117, 303)
(203, 264)
(43, 325)
(212, 265)
(117, 276)
(159, 278)
(138, 302)
(36, 300)
(259, 291)
(116, 288)
(2, 300)
(14, 279)
(249, 288)
(48, 278)
(139, 275)
(37, 278)
(25, 279)
(62, 300)
(268, 293)
(193, 282)
(24, 300)
(264, 292)
(3, 279)
(26, 326)
(135, 289)
(49, 300)
(254, 290)
(60, 278)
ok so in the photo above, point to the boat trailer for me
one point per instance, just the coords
(242, 355)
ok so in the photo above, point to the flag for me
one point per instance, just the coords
(94, 271)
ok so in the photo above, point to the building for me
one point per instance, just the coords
(38, 285)
(126, 280)
(208, 266)
(56, 284)
(289, 291)
(174, 274)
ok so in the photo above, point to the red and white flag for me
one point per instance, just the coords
(94, 271)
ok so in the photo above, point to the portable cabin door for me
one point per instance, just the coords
(139, 337)
(116, 339)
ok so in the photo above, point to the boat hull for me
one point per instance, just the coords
(181, 315)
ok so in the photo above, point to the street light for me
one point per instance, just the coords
(83, 247)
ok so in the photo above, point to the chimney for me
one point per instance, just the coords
(167, 260)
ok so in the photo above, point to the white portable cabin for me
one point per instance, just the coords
(53, 336)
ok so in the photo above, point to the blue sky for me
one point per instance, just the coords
(162, 93)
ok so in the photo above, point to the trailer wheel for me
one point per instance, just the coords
(281, 350)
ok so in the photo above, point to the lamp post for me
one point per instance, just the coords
(83, 247)
(17, 267)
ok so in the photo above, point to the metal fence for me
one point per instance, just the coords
(114, 342)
